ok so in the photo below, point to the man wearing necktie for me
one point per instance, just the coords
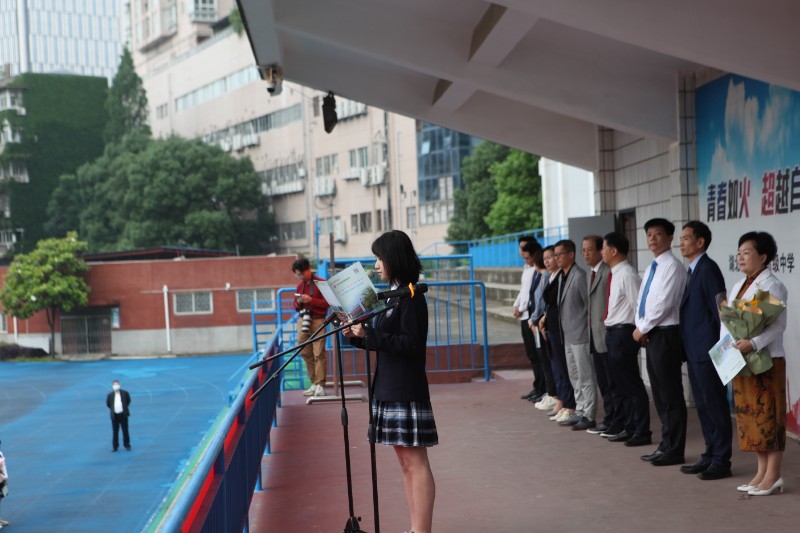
(657, 318)
(598, 284)
(699, 326)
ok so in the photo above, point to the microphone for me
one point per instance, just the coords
(404, 292)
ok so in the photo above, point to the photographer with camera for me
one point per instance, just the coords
(312, 308)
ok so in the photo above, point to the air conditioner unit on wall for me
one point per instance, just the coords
(377, 174)
(366, 177)
(339, 234)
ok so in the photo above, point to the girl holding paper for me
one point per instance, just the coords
(401, 408)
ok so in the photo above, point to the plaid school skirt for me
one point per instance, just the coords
(404, 423)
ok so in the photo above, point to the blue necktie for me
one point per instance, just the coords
(653, 266)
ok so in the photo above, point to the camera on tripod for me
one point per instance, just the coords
(305, 316)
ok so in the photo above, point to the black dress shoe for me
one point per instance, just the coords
(613, 431)
(622, 436)
(699, 466)
(527, 396)
(667, 460)
(650, 456)
(536, 397)
(639, 440)
(715, 472)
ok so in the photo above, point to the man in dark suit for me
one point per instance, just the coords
(117, 402)
(699, 326)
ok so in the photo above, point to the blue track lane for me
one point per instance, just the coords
(56, 435)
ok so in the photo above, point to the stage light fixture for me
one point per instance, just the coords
(329, 117)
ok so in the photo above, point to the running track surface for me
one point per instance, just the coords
(56, 436)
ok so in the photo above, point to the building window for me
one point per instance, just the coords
(365, 222)
(192, 303)
(328, 165)
(264, 299)
(411, 217)
(359, 157)
(162, 111)
(292, 231)
(3, 323)
(354, 224)
(328, 224)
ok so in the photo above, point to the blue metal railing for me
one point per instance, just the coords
(216, 497)
(502, 250)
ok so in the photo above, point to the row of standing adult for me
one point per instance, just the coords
(583, 333)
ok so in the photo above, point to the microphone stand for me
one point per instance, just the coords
(352, 525)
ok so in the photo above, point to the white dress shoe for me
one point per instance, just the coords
(778, 485)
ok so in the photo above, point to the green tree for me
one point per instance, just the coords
(78, 201)
(126, 103)
(519, 194)
(235, 20)
(473, 202)
(178, 191)
(49, 278)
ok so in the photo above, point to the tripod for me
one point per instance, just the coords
(352, 525)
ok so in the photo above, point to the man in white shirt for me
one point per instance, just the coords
(623, 350)
(521, 312)
(657, 317)
(117, 402)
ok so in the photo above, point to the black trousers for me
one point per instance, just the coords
(558, 361)
(613, 416)
(623, 366)
(711, 400)
(528, 340)
(119, 420)
(664, 360)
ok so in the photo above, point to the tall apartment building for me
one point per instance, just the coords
(50, 124)
(356, 182)
(61, 36)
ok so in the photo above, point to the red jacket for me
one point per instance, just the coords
(319, 306)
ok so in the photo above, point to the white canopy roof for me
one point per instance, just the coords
(539, 75)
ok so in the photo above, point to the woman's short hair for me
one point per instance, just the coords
(397, 254)
(763, 242)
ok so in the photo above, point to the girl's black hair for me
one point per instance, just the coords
(399, 259)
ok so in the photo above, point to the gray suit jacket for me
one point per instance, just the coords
(573, 306)
(597, 307)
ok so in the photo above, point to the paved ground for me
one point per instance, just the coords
(56, 435)
(503, 467)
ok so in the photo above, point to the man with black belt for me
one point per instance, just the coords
(598, 298)
(657, 317)
(623, 351)
(700, 332)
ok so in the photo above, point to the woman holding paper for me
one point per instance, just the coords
(401, 407)
(760, 400)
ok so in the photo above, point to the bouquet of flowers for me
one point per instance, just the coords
(745, 319)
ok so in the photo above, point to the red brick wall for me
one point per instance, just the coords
(136, 288)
